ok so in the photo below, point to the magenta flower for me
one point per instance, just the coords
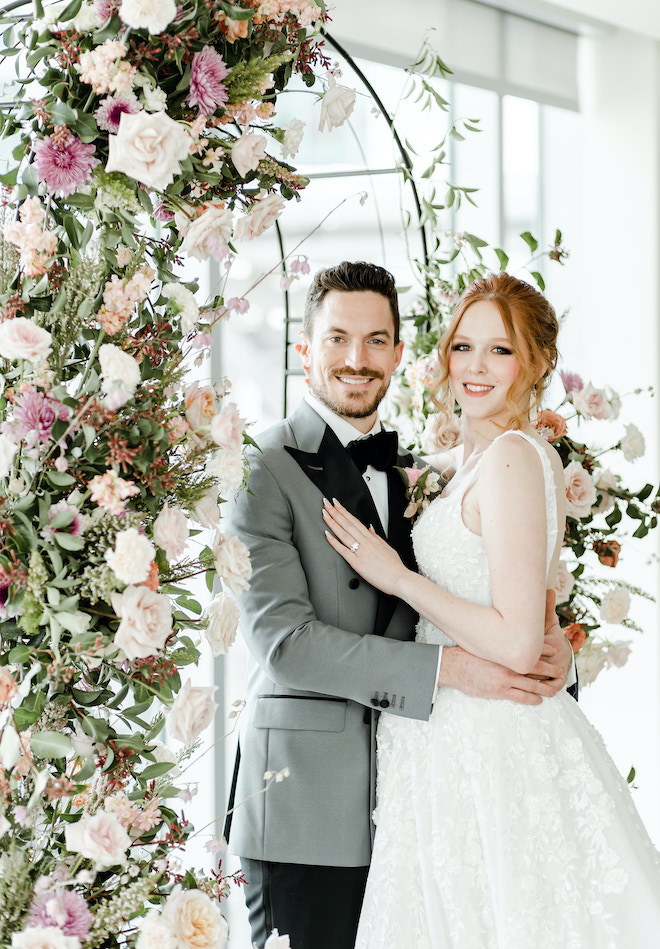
(34, 417)
(76, 527)
(65, 165)
(112, 108)
(572, 382)
(106, 9)
(65, 909)
(206, 74)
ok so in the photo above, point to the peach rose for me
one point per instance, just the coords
(551, 425)
(263, 213)
(146, 621)
(608, 552)
(247, 151)
(232, 562)
(8, 686)
(565, 582)
(227, 428)
(592, 402)
(200, 409)
(195, 919)
(148, 147)
(170, 532)
(336, 105)
(580, 490)
(21, 338)
(615, 605)
(208, 235)
(100, 838)
(222, 615)
(576, 636)
(131, 559)
(192, 711)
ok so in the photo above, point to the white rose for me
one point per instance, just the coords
(591, 402)
(132, 556)
(206, 511)
(228, 468)
(154, 933)
(619, 653)
(184, 304)
(293, 135)
(262, 215)
(605, 481)
(614, 399)
(21, 338)
(275, 941)
(8, 449)
(615, 605)
(632, 444)
(87, 19)
(146, 621)
(120, 374)
(100, 838)
(222, 615)
(149, 148)
(43, 937)
(152, 15)
(195, 919)
(232, 562)
(192, 711)
(208, 235)
(171, 532)
(247, 151)
(164, 754)
(81, 742)
(580, 490)
(565, 582)
(336, 105)
(590, 660)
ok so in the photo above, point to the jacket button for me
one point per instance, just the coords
(384, 703)
(354, 583)
(374, 701)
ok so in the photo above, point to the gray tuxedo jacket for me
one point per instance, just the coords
(326, 650)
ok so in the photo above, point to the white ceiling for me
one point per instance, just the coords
(640, 16)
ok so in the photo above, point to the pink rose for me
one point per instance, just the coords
(132, 556)
(195, 919)
(149, 148)
(413, 475)
(591, 402)
(208, 235)
(580, 490)
(146, 621)
(336, 105)
(222, 615)
(100, 838)
(8, 686)
(23, 339)
(262, 215)
(565, 582)
(232, 562)
(227, 428)
(247, 151)
(170, 531)
(192, 711)
(200, 409)
(206, 511)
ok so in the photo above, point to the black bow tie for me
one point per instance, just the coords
(379, 450)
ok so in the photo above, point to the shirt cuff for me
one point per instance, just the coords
(437, 674)
(572, 674)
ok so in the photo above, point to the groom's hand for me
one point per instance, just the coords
(557, 655)
(488, 680)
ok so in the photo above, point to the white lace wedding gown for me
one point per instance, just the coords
(501, 826)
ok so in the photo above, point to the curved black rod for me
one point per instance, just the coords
(395, 135)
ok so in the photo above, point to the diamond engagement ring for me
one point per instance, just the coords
(354, 547)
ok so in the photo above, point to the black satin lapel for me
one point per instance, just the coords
(334, 474)
(398, 536)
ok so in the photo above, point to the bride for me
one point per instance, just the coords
(499, 826)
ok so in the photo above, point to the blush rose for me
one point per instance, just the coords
(149, 148)
(222, 615)
(170, 531)
(227, 428)
(146, 621)
(208, 235)
(580, 490)
(591, 402)
(247, 151)
(262, 215)
(100, 838)
(195, 919)
(192, 711)
(21, 338)
(336, 105)
(232, 562)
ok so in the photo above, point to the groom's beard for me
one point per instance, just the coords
(349, 404)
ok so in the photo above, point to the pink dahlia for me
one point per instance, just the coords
(65, 909)
(572, 382)
(64, 164)
(34, 416)
(112, 108)
(106, 9)
(207, 71)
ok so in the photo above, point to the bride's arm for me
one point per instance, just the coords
(511, 499)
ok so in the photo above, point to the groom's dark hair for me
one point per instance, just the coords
(351, 277)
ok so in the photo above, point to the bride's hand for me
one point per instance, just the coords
(362, 548)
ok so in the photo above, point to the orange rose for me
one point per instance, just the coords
(153, 579)
(551, 425)
(576, 636)
(608, 552)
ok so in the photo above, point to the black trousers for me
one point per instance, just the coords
(317, 907)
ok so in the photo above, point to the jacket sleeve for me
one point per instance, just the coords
(305, 619)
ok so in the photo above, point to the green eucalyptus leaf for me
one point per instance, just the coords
(51, 745)
(157, 770)
(69, 541)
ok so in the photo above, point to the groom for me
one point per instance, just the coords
(327, 650)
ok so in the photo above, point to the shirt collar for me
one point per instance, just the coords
(342, 428)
